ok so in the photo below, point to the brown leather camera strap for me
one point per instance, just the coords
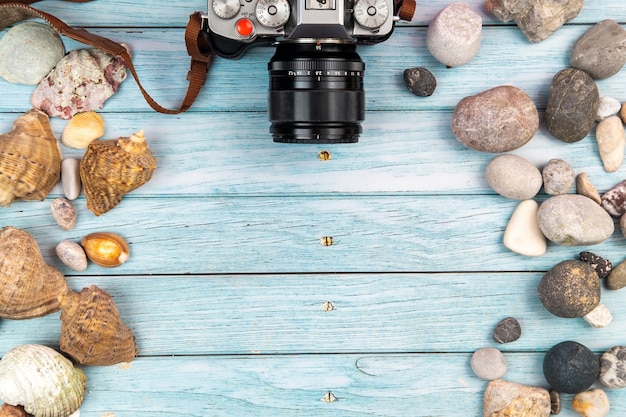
(199, 50)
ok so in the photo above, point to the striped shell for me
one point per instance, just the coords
(28, 286)
(42, 380)
(30, 159)
(92, 331)
(110, 169)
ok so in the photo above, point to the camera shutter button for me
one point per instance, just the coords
(244, 28)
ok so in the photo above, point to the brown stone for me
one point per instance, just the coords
(509, 399)
(617, 278)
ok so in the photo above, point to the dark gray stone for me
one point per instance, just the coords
(570, 367)
(602, 266)
(420, 81)
(601, 50)
(507, 331)
(573, 104)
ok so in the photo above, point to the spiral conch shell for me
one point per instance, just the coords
(42, 380)
(92, 331)
(28, 286)
(110, 169)
(30, 159)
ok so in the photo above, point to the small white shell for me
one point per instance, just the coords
(82, 129)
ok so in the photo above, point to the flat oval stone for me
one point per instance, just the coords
(522, 234)
(570, 367)
(573, 104)
(617, 277)
(601, 50)
(574, 220)
(420, 81)
(63, 212)
(613, 367)
(488, 363)
(72, 255)
(513, 177)
(507, 330)
(607, 107)
(558, 177)
(611, 142)
(570, 289)
(500, 119)
(70, 178)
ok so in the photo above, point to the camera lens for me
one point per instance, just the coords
(316, 92)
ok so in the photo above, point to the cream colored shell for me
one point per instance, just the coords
(82, 129)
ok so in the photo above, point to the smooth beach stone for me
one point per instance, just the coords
(558, 177)
(611, 142)
(601, 50)
(488, 363)
(599, 317)
(507, 330)
(28, 52)
(585, 188)
(522, 234)
(72, 255)
(573, 104)
(574, 220)
(614, 200)
(513, 177)
(602, 266)
(453, 36)
(617, 278)
(613, 367)
(570, 289)
(500, 119)
(420, 81)
(570, 367)
(608, 106)
(70, 178)
(592, 403)
(508, 399)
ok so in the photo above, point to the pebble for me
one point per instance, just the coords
(72, 254)
(602, 266)
(572, 106)
(622, 113)
(497, 120)
(507, 330)
(570, 289)
(536, 19)
(70, 178)
(613, 367)
(29, 51)
(507, 399)
(593, 403)
(614, 200)
(488, 363)
(522, 234)
(558, 177)
(555, 402)
(585, 188)
(599, 317)
(601, 50)
(513, 177)
(63, 213)
(574, 220)
(570, 367)
(622, 225)
(420, 81)
(617, 278)
(608, 106)
(611, 142)
(453, 36)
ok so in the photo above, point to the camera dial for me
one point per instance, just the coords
(272, 13)
(371, 14)
(226, 8)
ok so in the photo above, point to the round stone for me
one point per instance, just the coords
(507, 331)
(488, 363)
(513, 177)
(497, 120)
(420, 81)
(607, 107)
(573, 105)
(570, 367)
(613, 367)
(601, 50)
(574, 220)
(617, 277)
(558, 177)
(570, 289)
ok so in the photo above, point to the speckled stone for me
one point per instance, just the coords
(63, 212)
(599, 317)
(592, 403)
(507, 330)
(608, 106)
(586, 188)
(613, 367)
(601, 50)
(420, 81)
(602, 265)
(617, 278)
(497, 120)
(574, 220)
(570, 289)
(510, 399)
(488, 363)
(558, 177)
(72, 255)
(570, 367)
(573, 104)
(614, 200)
(513, 177)
(522, 234)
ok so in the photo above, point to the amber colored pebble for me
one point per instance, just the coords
(106, 249)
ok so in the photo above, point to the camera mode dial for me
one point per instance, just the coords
(371, 14)
(272, 13)
(226, 8)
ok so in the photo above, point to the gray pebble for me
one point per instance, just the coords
(72, 254)
(601, 50)
(63, 213)
(513, 177)
(558, 177)
(613, 367)
(507, 331)
(488, 363)
(420, 81)
(607, 107)
(70, 178)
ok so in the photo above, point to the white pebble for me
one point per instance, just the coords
(488, 363)
(592, 403)
(72, 254)
(608, 107)
(70, 178)
(599, 317)
(610, 138)
(523, 235)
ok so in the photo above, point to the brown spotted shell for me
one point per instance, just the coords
(110, 169)
(8, 410)
(92, 331)
(28, 286)
(30, 159)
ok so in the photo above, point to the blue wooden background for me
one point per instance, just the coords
(228, 288)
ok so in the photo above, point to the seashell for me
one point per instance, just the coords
(70, 178)
(30, 159)
(8, 410)
(28, 286)
(42, 380)
(63, 213)
(110, 169)
(72, 255)
(92, 331)
(82, 129)
(106, 249)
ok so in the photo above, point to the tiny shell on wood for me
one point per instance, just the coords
(82, 129)
(106, 249)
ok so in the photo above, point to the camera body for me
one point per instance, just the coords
(316, 76)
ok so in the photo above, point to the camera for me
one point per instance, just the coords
(316, 90)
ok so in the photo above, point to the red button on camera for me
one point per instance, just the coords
(244, 27)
